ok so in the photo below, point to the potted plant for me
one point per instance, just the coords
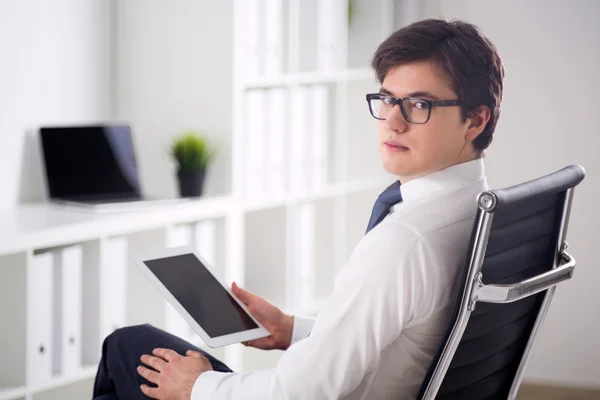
(193, 154)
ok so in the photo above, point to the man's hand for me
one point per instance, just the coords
(279, 325)
(174, 374)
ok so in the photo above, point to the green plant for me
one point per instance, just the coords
(351, 10)
(192, 152)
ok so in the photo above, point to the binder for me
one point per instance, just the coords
(320, 136)
(255, 144)
(67, 311)
(40, 348)
(328, 42)
(276, 142)
(304, 34)
(113, 285)
(299, 140)
(273, 37)
(251, 38)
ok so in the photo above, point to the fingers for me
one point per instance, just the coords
(165, 354)
(154, 362)
(149, 391)
(151, 376)
(263, 344)
(242, 294)
(195, 354)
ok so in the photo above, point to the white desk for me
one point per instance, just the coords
(37, 226)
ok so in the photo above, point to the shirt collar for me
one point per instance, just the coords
(454, 176)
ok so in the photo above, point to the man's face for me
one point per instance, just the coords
(413, 150)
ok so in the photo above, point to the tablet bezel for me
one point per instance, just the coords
(212, 342)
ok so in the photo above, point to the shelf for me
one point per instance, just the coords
(11, 393)
(329, 191)
(309, 78)
(45, 225)
(85, 373)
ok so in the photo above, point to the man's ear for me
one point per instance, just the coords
(478, 120)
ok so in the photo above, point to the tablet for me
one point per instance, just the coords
(202, 298)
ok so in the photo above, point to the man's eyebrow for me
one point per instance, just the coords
(424, 94)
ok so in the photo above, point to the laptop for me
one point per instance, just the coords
(94, 168)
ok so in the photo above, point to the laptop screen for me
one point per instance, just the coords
(90, 162)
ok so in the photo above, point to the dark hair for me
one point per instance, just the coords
(467, 59)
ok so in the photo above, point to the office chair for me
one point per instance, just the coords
(517, 256)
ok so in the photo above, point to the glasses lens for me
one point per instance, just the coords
(381, 107)
(417, 110)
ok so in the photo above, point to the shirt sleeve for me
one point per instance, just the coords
(374, 297)
(302, 327)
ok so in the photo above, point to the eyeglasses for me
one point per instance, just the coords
(415, 110)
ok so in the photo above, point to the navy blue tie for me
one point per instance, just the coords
(386, 199)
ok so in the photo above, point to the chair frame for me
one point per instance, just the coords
(475, 291)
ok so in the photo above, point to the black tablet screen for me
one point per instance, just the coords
(201, 294)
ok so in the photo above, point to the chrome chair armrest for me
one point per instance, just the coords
(517, 291)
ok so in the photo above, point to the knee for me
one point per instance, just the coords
(120, 348)
(122, 338)
(122, 334)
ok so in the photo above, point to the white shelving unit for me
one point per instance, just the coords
(309, 78)
(124, 297)
(312, 44)
(13, 393)
(286, 245)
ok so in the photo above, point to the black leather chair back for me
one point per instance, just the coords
(518, 237)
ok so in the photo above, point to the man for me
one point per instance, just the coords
(441, 88)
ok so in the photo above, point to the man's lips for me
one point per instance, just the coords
(394, 146)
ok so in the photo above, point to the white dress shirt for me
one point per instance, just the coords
(377, 333)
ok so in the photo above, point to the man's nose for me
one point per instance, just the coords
(395, 121)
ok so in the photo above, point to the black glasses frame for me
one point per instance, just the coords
(398, 101)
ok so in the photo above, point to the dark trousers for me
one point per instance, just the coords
(117, 377)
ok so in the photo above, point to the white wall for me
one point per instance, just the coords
(86, 61)
(551, 52)
(54, 69)
(173, 67)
